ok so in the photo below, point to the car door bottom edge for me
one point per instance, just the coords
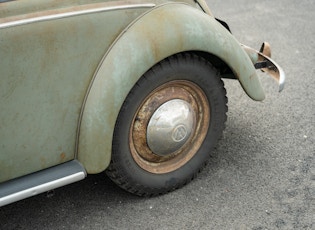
(42, 181)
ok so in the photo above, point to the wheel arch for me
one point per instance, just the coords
(162, 32)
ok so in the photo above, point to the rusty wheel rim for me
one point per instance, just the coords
(168, 103)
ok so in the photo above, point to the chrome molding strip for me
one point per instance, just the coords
(71, 14)
(41, 188)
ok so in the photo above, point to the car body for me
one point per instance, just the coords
(67, 67)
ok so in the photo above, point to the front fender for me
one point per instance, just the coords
(163, 31)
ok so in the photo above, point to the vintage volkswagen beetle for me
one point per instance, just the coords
(131, 87)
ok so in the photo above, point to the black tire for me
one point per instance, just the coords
(182, 79)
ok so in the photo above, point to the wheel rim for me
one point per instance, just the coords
(169, 126)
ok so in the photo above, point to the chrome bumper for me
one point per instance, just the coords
(262, 60)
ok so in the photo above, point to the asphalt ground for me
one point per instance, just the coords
(262, 175)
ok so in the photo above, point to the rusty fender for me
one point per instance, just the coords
(163, 31)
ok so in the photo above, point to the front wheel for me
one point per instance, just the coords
(168, 126)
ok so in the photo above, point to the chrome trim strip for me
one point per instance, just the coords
(41, 188)
(71, 14)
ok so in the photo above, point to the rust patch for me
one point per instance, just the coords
(62, 156)
(43, 162)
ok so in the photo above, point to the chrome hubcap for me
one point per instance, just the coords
(170, 127)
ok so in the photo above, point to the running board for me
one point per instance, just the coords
(42, 181)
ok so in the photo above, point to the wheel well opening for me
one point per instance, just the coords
(219, 64)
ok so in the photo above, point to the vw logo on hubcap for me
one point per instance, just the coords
(179, 133)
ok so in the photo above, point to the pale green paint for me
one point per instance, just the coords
(45, 70)
(20, 7)
(164, 31)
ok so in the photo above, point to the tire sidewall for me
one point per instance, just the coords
(201, 73)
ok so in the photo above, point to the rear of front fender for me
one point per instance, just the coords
(165, 30)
